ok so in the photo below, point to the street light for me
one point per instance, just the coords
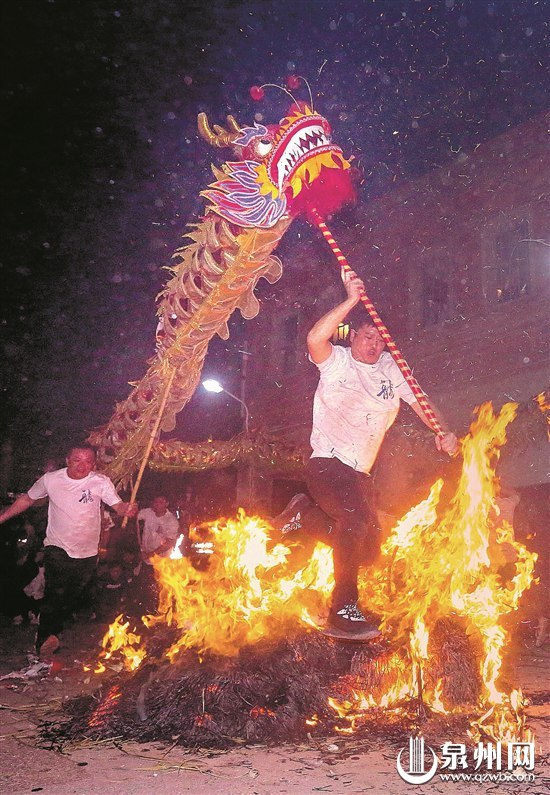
(211, 385)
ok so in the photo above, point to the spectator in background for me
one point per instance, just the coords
(113, 591)
(158, 531)
(27, 568)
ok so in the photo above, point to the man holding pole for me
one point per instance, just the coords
(356, 402)
(72, 536)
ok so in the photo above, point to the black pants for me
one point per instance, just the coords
(66, 582)
(344, 519)
(147, 599)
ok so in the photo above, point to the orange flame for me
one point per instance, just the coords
(444, 561)
(543, 401)
(118, 639)
(249, 591)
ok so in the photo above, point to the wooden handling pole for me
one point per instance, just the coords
(152, 438)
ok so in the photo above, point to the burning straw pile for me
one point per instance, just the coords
(234, 653)
(269, 693)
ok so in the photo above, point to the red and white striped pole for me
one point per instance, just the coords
(382, 330)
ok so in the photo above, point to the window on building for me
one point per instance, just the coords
(342, 333)
(435, 299)
(512, 262)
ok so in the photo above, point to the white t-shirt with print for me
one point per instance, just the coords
(74, 511)
(157, 530)
(354, 405)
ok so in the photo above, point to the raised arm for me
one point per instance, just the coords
(318, 339)
(22, 503)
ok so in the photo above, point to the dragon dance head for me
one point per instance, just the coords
(288, 168)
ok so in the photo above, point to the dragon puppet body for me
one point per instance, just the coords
(281, 172)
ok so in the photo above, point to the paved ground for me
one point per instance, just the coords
(331, 765)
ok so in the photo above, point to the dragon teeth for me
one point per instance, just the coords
(301, 143)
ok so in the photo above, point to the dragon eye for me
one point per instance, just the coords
(263, 147)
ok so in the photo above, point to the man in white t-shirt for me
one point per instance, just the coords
(72, 536)
(356, 402)
(158, 529)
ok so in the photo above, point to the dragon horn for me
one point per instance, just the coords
(219, 137)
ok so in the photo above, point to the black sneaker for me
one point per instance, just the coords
(291, 519)
(350, 619)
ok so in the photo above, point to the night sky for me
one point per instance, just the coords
(102, 165)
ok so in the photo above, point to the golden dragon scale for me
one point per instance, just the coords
(251, 205)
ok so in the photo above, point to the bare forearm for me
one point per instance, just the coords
(319, 337)
(328, 324)
(22, 503)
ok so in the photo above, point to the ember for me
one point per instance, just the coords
(267, 693)
(271, 692)
(234, 654)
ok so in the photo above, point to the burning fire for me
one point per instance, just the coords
(249, 591)
(441, 562)
(119, 639)
(543, 401)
